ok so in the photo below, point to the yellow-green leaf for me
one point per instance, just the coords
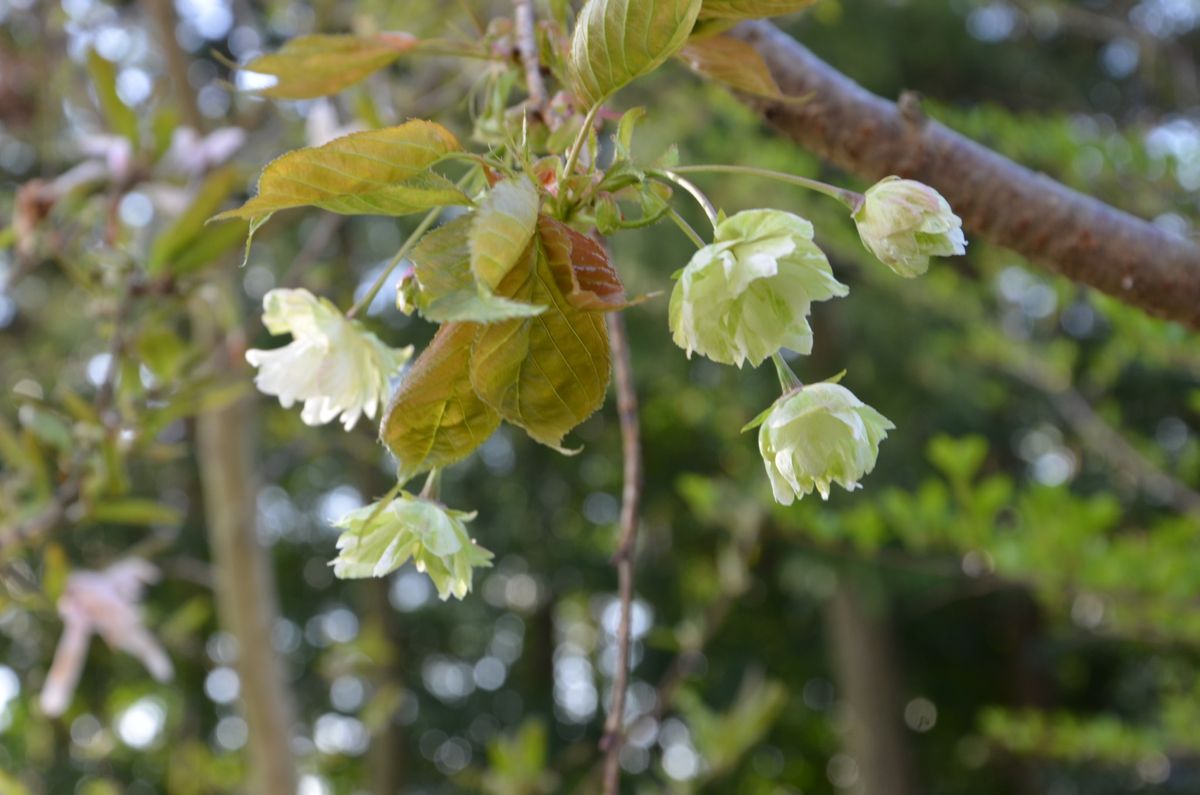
(378, 172)
(547, 373)
(732, 62)
(315, 66)
(435, 417)
(120, 117)
(443, 287)
(750, 9)
(136, 512)
(617, 41)
(185, 244)
(502, 229)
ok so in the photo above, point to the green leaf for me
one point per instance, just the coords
(502, 229)
(185, 244)
(378, 172)
(732, 62)
(750, 9)
(548, 373)
(120, 117)
(617, 41)
(315, 66)
(446, 289)
(435, 417)
(136, 512)
(582, 270)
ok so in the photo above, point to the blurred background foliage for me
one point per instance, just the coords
(1009, 605)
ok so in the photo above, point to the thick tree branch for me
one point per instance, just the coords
(631, 497)
(1061, 229)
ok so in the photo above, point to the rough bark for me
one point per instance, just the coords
(1054, 226)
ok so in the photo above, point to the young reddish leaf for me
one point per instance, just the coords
(378, 172)
(617, 41)
(750, 9)
(315, 66)
(502, 229)
(581, 268)
(732, 62)
(435, 417)
(548, 373)
(446, 288)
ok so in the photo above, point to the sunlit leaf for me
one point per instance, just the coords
(315, 66)
(547, 373)
(617, 41)
(435, 417)
(581, 268)
(751, 9)
(446, 288)
(732, 62)
(378, 172)
(502, 228)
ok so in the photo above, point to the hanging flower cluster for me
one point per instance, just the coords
(518, 282)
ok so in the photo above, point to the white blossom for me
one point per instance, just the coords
(334, 365)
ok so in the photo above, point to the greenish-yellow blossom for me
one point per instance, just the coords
(378, 539)
(333, 365)
(904, 223)
(816, 436)
(747, 294)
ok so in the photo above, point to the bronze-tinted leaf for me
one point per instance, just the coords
(581, 268)
(750, 9)
(435, 417)
(315, 66)
(547, 373)
(732, 62)
(378, 172)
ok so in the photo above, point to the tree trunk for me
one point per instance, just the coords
(245, 587)
(868, 682)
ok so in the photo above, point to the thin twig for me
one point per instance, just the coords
(528, 50)
(631, 497)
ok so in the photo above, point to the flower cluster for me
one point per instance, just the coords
(747, 295)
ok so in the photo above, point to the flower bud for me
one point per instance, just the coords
(378, 539)
(904, 223)
(332, 364)
(818, 435)
(748, 293)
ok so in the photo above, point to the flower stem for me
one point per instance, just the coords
(696, 193)
(423, 227)
(686, 227)
(787, 379)
(432, 490)
(580, 140)
(850, 198)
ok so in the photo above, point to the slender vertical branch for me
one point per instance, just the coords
(165, 21)
(631, 497)
(528, 50)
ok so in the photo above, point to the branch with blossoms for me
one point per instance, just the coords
(519, 287)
